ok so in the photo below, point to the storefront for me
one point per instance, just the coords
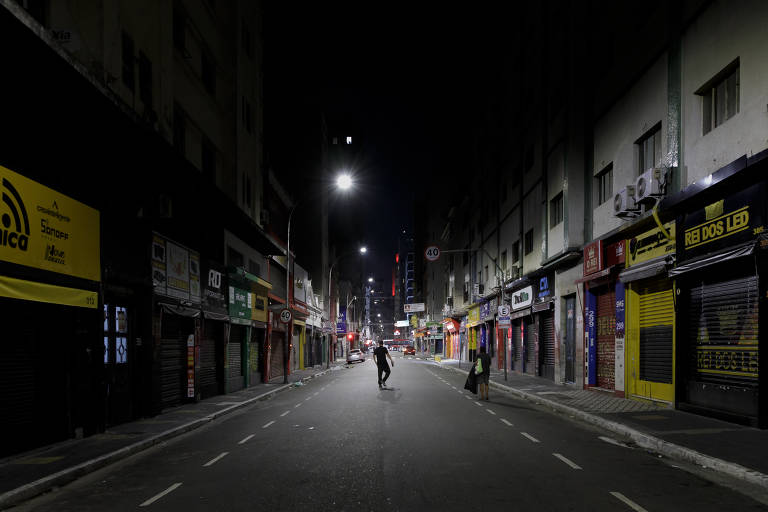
(523, 339)
(215, 332)
(176, 282)
(603, 358)
(649, 327)
(54, 357)
(244, 349)
(720, 261)
(450, 335)
(475, 331)
(488, 335)
(543, 309)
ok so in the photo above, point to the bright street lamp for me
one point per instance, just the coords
(370, 279)
(344, 181)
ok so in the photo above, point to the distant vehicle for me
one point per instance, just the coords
(394, 348)
(355, 356)
(409, 351)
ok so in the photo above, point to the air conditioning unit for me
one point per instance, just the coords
(650, 185)
(624, 203)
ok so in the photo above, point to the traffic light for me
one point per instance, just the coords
(350, 336)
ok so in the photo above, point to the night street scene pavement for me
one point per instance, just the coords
(368, 256)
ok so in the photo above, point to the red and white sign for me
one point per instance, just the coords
(593, 257)
(432, 253)
(397, 333)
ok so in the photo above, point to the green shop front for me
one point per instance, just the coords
(245, 348)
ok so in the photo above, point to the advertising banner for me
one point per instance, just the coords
(341, 321)
(593, 257)
(651, 244)
(175, 270)
(44, 229)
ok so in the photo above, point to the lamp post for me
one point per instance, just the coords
(343, 182)
(362, 250)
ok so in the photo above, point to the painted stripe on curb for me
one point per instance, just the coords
(160, 495)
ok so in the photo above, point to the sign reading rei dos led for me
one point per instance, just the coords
(732, 220)
(44, 229)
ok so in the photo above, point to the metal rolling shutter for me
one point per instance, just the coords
(548, 339)
(606, 341)
(234, 352)
(515, 350)
(17, 380)
(723, 329)
(657, 315)
(173, 363)
(213, 332)
(530, 343)
(276, 356)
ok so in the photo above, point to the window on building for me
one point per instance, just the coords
(179, 128)
(504, 260)
(247, 115)
(649, 148)
(129, 72)
(516, 251)
(465, 257)
(485, 272)
(145, 80)
(556, 210)
(604, 184)
(208, 73)
(720, 98)
(208, 158)
(349, 140)
(529, 242)
(254, 268)
(234, 258)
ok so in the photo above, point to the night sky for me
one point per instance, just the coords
(405, 77)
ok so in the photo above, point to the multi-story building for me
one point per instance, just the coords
(618, 190)
(138, 139)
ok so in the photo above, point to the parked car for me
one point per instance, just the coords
(409, 351)
(355, 356)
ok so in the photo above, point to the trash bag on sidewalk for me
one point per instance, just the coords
(471, 383)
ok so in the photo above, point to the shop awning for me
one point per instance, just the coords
(715, 257)
(212, 315)
(41, 292)
(543, 306)
(520, 313)
(651, 268)
(177, 309)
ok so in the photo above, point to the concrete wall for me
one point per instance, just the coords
(718, 37)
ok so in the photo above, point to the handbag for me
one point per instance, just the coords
(479, 367)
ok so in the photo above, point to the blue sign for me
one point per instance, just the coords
(544, 290)
(619, 309)
(341, 321)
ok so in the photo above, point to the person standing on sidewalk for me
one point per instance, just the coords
(380, 355)
(483, 372)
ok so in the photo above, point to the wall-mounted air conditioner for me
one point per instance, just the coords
(650, 185)
(624, 203)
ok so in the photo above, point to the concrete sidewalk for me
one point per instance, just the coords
(33, 473)
(733, 450)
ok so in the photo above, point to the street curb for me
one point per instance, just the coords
(643, 440)
(65, 476)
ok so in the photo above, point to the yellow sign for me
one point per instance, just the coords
(651, 244)
(717, 228)
(41, 292)
(733, 360)
(473, 316)
(44, 229)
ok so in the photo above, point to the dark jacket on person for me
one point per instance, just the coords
(471, 383)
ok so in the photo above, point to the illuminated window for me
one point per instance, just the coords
(349, 140)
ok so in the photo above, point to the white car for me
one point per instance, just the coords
(355, 356)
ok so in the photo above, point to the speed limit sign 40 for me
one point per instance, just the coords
(432, 253)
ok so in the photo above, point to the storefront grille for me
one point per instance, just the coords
(657, 314)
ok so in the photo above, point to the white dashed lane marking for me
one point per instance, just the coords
(160, 495)
(569, 462)
(297, 405)
(491, 412)
(268, 424)
(478, 403)
(285, 413)
(215, 460)
(468, 397)
(529, 436)
(246, 439)
(506, 422)
(628, 501)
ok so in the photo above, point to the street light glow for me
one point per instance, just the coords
(363, 250)
(370, 279)
(344, 181)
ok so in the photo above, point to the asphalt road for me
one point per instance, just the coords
(424, 443)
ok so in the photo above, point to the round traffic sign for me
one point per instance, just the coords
(285, 315)
(432, 253)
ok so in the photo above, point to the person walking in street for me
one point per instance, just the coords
(483, 372)
(380, 355)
